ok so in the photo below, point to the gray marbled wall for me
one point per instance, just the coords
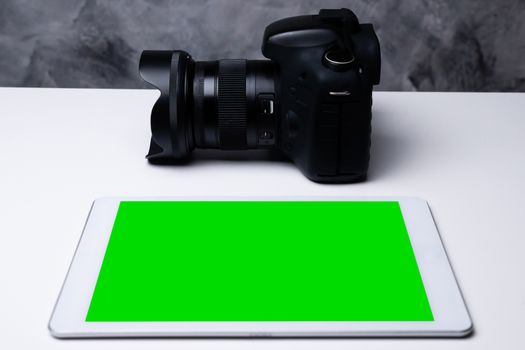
(442, 45)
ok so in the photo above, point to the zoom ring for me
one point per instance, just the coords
(232, 104)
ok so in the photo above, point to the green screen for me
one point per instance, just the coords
(259, 261)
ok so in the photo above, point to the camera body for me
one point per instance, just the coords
(312, 99)
(328, 65)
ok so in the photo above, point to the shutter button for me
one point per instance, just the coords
(338, 60)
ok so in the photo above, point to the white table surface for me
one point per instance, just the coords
(61, 148)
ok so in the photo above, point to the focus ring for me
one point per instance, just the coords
(232, 104)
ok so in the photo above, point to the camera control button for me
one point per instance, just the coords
(338, 60)
(340, 93)
(266, 135)
(266, 104)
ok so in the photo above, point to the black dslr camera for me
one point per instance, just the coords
(312, 99)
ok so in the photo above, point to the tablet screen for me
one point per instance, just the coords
(259, 261)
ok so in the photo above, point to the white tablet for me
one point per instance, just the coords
(260, 267)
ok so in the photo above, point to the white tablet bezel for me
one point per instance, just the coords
(451, 317)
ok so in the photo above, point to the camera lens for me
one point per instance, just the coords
(224, 104)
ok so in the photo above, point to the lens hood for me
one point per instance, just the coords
(171, 126)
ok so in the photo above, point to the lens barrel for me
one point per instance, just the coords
(224, 104)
